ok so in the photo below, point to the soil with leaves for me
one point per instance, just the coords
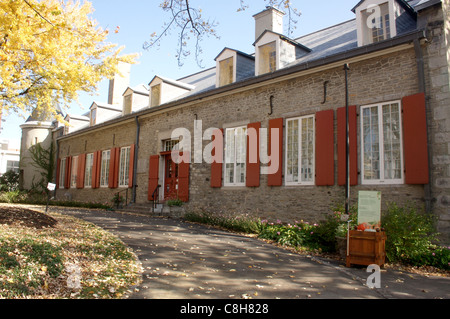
(50, 256)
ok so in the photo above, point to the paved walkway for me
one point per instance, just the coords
(188, 261)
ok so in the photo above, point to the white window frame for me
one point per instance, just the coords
(268, 61)
(155, 95)
(300, 182)
(364, 34)
(88, 170)
(226, 55)
(104, 168)
(230, 153)
(12, 165)
(93, 117)
(124, 166)
(62, 173)
(74, 172)
(225, 76)
(382, 180)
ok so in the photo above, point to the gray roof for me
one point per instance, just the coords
(329, 44)
(324, 43)
(404, 3)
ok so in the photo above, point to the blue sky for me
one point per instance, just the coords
(139, 18)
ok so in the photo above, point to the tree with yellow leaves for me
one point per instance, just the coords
(50, 50)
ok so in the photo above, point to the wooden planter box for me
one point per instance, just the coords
(366, 248)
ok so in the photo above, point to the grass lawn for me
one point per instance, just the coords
(50, 256)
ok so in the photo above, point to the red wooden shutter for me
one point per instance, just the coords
(111, 167)
(68, 172)
(276, 179)
(183, 180)
(96, 170)
(99, 168)
(153, 176)
(80, 170)
(58, 172)
(216, 165)
(116, 167)
(253, 161)
(131, 169)
(325, 148)
(113, 181)
(415, 140)
(353, 145)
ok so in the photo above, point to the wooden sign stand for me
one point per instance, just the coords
(366, 248)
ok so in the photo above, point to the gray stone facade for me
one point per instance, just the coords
(389, 73)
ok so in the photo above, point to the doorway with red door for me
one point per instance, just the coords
(170, 178)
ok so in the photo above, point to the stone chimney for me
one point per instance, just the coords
(119, 84)
(269, 19)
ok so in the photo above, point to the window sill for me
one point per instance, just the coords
(381, 183)
(299, 184)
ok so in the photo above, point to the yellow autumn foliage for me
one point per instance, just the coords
(50, 51)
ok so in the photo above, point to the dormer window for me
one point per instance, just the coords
(275, 51)
(379, 20)
(267, 58)
(232, 66)
(164, 90)
(93, 117)
(135, 99)
(377, 23)
(127, 104)
(226, 72)
(155, 95)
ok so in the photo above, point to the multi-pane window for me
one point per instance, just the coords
(93, 119)
(88, 171)
(12, 166)
(155, 95)
(124, 166)
(381, 29)
(267, 58)
(226, 71)
(235, 156)
(62, 173)
(377, 22)
(381, 138)
(171, 145)
(104, 171)
(127, 104)
(74, 172)
(300, 151)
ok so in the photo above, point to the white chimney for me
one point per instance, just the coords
(269, 19)
(119, 84)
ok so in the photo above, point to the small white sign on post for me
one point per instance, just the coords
(51, 186)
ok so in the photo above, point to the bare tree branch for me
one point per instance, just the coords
(38, 13)
(190, 23)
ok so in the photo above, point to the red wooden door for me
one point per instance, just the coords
(170, 178)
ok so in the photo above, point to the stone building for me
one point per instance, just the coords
(293, 90)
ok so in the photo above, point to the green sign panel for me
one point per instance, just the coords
(369, 208)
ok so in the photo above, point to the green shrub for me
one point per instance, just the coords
(11, 197)
(300, 234)
(409, 234)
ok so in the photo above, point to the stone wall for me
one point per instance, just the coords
(89, 142)
(437, 87)
(386, 78)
